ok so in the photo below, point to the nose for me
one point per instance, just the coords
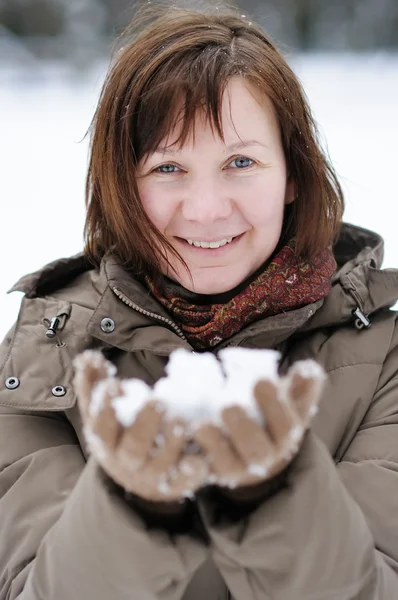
(205, 202)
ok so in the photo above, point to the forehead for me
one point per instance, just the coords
(244, 114)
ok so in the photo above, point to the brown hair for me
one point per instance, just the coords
(178, 53)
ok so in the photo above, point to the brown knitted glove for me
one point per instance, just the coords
(166, 459)
(144, 457)
(244, 452)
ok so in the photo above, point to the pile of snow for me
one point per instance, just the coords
(198, 387)
(194, 393)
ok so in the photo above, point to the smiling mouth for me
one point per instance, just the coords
(214, 245)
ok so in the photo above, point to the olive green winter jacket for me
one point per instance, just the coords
(330, 534)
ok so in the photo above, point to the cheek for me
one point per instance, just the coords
(157, 205)
(264, 202)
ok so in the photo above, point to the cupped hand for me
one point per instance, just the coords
(244, 451)
(146, 455)
(160, 458)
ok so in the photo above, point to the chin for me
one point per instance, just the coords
(214, 285)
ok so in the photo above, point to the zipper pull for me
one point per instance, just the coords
(361, 320)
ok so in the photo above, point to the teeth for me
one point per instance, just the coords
(210, 244)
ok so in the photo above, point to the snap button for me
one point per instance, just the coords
(12, 383)
(58, 390)
(107, 325)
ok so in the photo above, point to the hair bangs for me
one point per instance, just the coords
(186, 89)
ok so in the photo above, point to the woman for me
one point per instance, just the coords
(211, 218)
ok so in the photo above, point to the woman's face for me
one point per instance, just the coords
(220, 204)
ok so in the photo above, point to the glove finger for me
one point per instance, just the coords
(193, 472)
(304, 389)
(90, 368)
(249, 439)
(281, 420)
(101, 422)
(225, 462)
(186, 479)
(180, 482)
(150, 479)
(137, 482)
(137, 440)
(164, 458)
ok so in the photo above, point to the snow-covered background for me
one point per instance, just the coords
(43, 155)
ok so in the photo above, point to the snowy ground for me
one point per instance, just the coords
(43, 157)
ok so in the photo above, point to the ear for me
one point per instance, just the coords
(291, 191)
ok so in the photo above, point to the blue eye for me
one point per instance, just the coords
(242, 162)
(166, 169)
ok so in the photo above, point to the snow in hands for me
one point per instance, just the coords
(230, 420)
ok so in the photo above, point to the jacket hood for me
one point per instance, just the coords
(358, 283)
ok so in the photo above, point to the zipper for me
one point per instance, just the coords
(147, 313)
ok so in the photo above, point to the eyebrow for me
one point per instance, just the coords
(244, 144)
(237, 146)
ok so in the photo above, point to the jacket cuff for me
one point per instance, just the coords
(235, 504)
(175, 517)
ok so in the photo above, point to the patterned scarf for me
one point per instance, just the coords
(287, 282)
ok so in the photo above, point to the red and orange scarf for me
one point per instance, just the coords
(288, 282)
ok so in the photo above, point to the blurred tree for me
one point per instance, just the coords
(88, 27)
(375, 24)
(118, 14)
(32, 17)
(306, 13)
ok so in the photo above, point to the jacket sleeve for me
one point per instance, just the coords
(64, 534)
(332, 532)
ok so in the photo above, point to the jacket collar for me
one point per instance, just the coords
(52, 276)
(263, 333)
